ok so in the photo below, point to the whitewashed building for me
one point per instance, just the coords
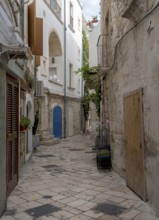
(14, 92)
(59, 92)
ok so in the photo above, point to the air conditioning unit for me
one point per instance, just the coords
(39, 89)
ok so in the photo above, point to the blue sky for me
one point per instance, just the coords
(90, 8)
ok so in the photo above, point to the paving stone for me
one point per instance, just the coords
(77, 203)
(10, 212)
(7, 218)
(130, 214)
(48, 218)
(93, 214)
(58, 197)
(146, 216)
(23, 215)
(68, 200)
(69, 180)
(81, 217)
(87, 206)
(16, 199)
(72, 210)
(31, 196)
(63, 214)
(109, 217)
(117, 199)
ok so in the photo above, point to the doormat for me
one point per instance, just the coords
(42, 210)
(109, 209)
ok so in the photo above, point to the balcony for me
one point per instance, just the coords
(134, 9)
(103, 51)
(54, 6)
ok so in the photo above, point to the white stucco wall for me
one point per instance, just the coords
(93, 39)
(73, 43)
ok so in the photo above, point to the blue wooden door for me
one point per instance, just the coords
(57, 122)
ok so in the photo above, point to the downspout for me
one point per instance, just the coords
(82, 87)
(65, 100)
(22, 18)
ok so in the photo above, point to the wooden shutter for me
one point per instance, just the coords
(12, 134)
(35, 31)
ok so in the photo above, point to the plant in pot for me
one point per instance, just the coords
(24, 123)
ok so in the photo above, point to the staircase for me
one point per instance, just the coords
(47, 139)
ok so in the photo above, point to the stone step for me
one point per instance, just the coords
(45, 133)
(47, 138)
(50, 142)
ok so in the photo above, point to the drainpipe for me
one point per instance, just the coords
(22, 18)
(65, 100)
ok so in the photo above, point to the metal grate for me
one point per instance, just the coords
(109, 209)
(42, 210)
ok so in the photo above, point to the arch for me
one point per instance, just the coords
(29, 109)
(57, 122)
(55, 48)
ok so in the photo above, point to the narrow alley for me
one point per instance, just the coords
(63, 182)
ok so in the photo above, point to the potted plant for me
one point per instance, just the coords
(94, 19)
(24, 123)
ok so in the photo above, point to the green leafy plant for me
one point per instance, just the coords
(92, 81)
(24, 123)
(85, 48)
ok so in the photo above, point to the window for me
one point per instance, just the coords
(70, 74)
(107, 23)
(44, 70)
(79, 84)
(53, 74)
(71, 15)
(79, 24)
(79, 54)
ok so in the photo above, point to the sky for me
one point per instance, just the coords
(90, 8)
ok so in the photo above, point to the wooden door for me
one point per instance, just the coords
(12, 134)
(57, 122)
(134, 143)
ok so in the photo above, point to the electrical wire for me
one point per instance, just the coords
(115, 54)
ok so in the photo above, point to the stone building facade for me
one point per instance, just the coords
(129, 48)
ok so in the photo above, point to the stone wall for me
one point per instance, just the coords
(47, 104)
(22, 149)
(136, 66)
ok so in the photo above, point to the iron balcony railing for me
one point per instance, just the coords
(55, 8)
(103, 50)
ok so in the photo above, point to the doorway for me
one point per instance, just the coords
(134, 143)
(57, 122)
(12, 133)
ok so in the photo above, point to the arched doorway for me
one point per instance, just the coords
(57, 122)
(28, 148)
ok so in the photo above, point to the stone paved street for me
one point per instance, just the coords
(63, 182)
